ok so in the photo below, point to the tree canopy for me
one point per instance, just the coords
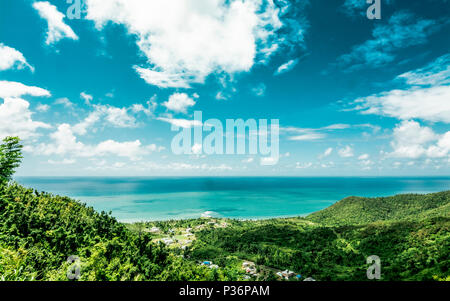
(10, 157)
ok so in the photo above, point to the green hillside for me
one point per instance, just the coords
(410, 233)
(357, 210)
(39, 231)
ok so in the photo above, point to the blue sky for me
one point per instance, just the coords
(354, 97)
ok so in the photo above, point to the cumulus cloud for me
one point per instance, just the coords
(411, 140)
(64, 102)
(82, 127)
(346, 152)
(43, 108)
(57, 29)
(16, 119)
(117, 117)
(179, 103)
(16, 89)
(64, 142)
(113, 116)
(187, 41)
(11, 58)
(149, 110)
(132, 149)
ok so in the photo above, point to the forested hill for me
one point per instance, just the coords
(40, 231)
(359, 210)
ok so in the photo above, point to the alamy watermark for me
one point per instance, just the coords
(374, 10)
(74, 271)
(75, 8)
(237, 137)
(374, 270)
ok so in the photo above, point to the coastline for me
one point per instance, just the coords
(244, 198)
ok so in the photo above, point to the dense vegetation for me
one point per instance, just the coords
(40, 231)
(358, 211)
(410, 249)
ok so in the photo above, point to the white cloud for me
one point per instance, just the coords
(346, 152)
(43, 108)
(197, 149)
(57, 29)
(64, 101)
(366, 164)
(411, 140)
(435, 73)
(248, 160)
(337, 126)
(86, 97)
(186, 41)
(62, 162)
(183, 123)
(364, 157)
(426, 98)
(431, 104)
(327, 165)
(16, 89)
(16, 119)
(118, 117)
(312, 133)
(306, 137)
(10, 58)
(327, 153)
(114, 116)
(286, 67)
(268, 161)
(132, 149)
(179, 102)
(82, 127)
(442, 148)
(299, 165)
(149, 110)
(64, 142)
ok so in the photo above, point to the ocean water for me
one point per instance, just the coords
(139, 199)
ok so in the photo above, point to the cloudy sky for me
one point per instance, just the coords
(97, 95)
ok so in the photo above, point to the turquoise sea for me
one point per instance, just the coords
(138, 199)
